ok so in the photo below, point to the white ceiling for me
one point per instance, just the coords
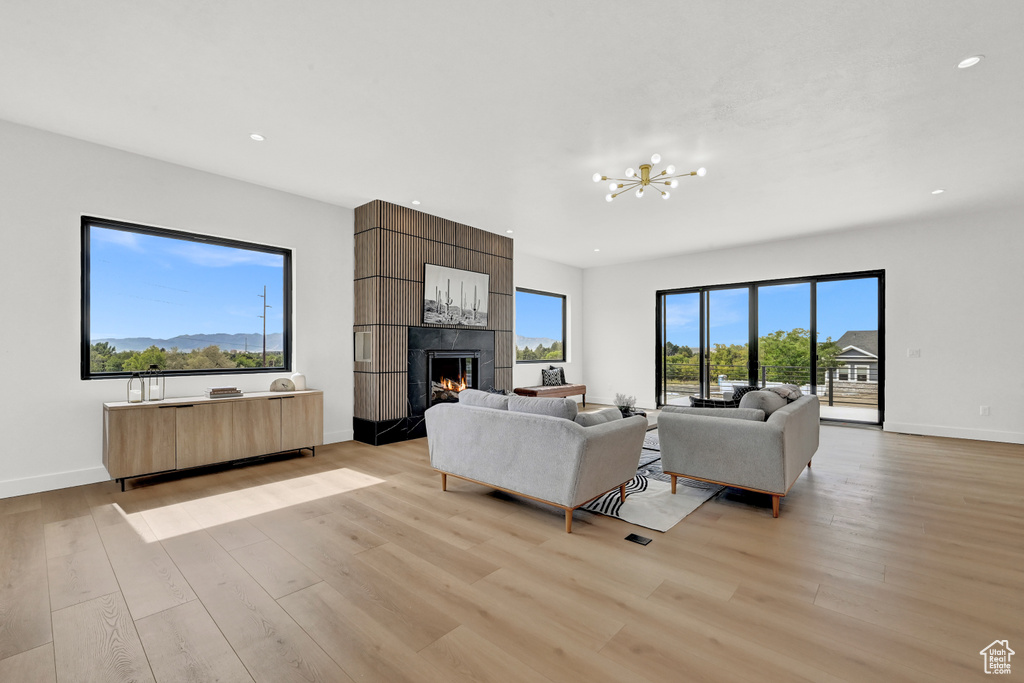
(810, 116)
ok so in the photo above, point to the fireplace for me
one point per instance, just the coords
(449, 372)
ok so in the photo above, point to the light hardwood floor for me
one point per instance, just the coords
(896, 558)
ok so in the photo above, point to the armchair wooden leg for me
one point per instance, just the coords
(673, 483)
(622, 493)
(568, 521)
(808, 464)
(775, 506)
(444, 481)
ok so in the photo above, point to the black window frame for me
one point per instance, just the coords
(564, 298)
(88, 221)
(752, 286)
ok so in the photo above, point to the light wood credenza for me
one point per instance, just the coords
(181, 433)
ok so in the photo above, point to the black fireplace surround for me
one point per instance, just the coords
(429, 346)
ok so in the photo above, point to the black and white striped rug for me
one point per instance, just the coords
(650, 502)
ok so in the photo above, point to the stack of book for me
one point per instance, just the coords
(222, 392)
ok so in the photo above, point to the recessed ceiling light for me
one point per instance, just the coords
(597, 250)
(257, 137)
(970, 61)
(509, 231)
(937, 191)
(416, 202)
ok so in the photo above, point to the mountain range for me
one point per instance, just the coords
(532, 342)
(188, 342)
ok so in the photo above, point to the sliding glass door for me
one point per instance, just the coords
(822, 333)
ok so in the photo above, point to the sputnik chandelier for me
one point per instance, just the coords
(643, 180)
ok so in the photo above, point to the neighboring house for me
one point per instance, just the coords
(859, 355)
(997, 657)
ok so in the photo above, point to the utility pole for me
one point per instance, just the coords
(264, 316)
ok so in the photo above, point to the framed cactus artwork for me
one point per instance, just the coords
(454, 297)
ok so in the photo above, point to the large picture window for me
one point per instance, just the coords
(187, 303)
(540, 326)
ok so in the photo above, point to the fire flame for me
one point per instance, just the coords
(453, 386)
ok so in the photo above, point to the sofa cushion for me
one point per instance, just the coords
(483, 399)
(598, 417)
(555, 407)
(754, 414)
(768, 401)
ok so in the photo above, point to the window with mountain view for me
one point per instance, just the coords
(186, 303)
(540, 326)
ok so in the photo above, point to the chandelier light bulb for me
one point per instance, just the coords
(608, 197)
(640, 193)
(630, 173)
(597, 177)
(702, 171)
(655, 158)
(613, 186)
(674, 183)
(670, 170)
(665, 195)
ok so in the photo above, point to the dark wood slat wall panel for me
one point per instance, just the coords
(395, 354)
(504, 352)
(499, 312)
(367, 301)
(405, 255)
(367, 253)
(392, 245)
(394, 395)
(503, 378)
(366, 407)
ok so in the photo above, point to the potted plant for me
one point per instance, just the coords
(625, 404)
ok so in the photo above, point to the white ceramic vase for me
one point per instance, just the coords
(299, 380)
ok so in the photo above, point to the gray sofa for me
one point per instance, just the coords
(761, 446)
(535, 447)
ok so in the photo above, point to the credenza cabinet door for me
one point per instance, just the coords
(204, 434)
(256, 427)
(139, 441)
(302, 421)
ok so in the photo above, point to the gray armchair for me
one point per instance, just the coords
(738, 447)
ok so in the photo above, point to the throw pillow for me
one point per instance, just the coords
(790, 392)
(561, 373)
(714, 402)
(550, 378)
(738, 392)
(540, 405)
(768, 401)
(598, 417)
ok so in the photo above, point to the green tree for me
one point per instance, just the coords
(141, 361)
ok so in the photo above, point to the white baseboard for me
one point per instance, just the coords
(52, 482)
(954, 432)
(338, 437)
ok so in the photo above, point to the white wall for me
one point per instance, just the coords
(533, 272)
(953, 290)
(50, 420)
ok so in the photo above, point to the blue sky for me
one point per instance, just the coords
(149, 286)
(842, 305)
(538, 315)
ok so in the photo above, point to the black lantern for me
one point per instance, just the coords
(136, 388)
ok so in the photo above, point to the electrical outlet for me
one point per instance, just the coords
(984, 410)
(913, 353)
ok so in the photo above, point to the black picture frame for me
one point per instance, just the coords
(446, 283)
